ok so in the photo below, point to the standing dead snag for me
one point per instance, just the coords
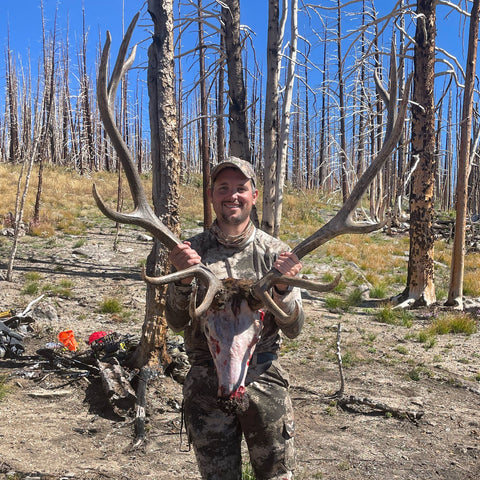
(420, 288)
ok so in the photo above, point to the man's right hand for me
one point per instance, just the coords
(183, 256)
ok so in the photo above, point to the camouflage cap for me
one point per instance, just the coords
(234, 162)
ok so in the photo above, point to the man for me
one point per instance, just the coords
(233, 247)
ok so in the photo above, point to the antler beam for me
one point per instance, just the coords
(342, 222)
(142, 215)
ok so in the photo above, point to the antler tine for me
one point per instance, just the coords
(306, 284)
(198, 271)
(121, 65)
(267, 300)
(142, 215)
(260, 290)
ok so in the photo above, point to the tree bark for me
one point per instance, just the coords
(204, 147)
(341, 103)
(420, 276)
(237, 113)
(12, 91)
(220, 106)
(166, 173)
(271, 116)
(285, 126)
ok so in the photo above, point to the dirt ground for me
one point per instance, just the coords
(58, 427)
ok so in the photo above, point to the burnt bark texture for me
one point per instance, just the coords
(420, 276)
(166, 173)
(239, 144)
(204, 144)
(270, 126)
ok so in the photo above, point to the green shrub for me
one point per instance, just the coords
(401, 349)
(453, 322)
(31, 288)
(392, 316)
(354, 298)
(378, 291)
(333, 302)
(110, 305)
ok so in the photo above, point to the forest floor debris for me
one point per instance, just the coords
(60, 426)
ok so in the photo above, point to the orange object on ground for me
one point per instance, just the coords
(68, 339)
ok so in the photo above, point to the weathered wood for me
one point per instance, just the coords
(116, 385)
(141, 406)
(413, 416)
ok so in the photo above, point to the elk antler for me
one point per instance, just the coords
(342, 222)
(142, 215)
(198, 271)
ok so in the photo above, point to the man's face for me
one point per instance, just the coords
(233, 197)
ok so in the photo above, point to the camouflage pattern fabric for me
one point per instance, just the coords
(267, 425)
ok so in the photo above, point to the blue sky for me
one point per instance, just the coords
(23, 19)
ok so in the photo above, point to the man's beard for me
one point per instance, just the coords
(234, 220)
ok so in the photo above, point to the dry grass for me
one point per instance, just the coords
(471, 285)
(68, 207)
(67, 203)
(452, 322)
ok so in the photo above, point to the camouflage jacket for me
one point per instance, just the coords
(252, 261)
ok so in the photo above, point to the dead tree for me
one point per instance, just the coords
(47, 151)
(270, 125)
(12, 105)
(204, 144)
(420, 287)
(285, 122)
(342, 110)
(239, 145)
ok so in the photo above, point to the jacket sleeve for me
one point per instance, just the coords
(291, 303)
(176, 308)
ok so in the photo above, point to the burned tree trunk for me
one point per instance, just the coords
(270, 125)
(204, 145)
(166, 173)
(458, 254)
(285, 122)
(342, 111)
(239, 145)
(420, 280)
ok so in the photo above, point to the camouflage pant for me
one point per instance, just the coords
(267, 425)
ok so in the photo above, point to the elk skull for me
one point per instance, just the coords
(232, 326)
